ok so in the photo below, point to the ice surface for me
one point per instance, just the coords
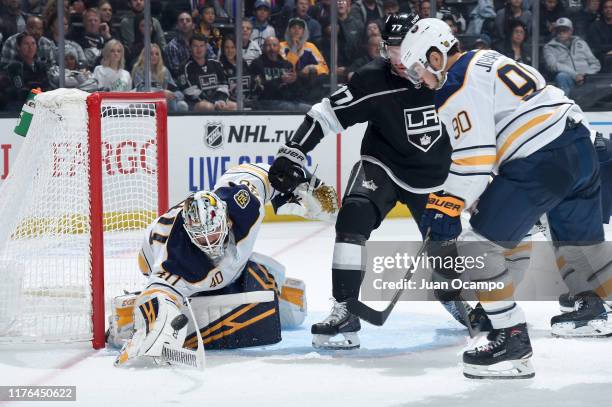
(412, 360)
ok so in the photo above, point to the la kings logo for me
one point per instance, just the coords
(422, 127)
(213, 134)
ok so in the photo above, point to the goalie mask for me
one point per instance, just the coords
(205, 221)
(396, 27)
(429, 34)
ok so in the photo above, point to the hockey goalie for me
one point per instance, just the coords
(202, 272)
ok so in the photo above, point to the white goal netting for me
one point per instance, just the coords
(45, 246)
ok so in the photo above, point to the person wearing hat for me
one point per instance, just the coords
(482, 42)
(569, 58)
(307, 61)
(262, 28)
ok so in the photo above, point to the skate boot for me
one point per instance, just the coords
(339, 322)
(590, 318)
(566, 302)
(506, 356)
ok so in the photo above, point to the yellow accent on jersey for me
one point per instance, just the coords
(476, 160)
(151, 291)
(496, 295)
(465, 81)
(561, 262)
(525, 247)
(143, 265)
(605, 289)
(521, 130)
(293, 295)
(228, 321)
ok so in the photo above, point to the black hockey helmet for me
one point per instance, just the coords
(396, 27)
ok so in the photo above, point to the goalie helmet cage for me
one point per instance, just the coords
(90, 177)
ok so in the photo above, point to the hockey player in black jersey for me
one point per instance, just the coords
(404, 156)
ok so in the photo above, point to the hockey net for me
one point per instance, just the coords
(90, 177)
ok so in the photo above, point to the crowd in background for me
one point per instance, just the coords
(286, 45)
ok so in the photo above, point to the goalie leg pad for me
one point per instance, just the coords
(155, 316)
(243, 314)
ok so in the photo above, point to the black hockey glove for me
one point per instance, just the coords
(442, 217)
(287, 170)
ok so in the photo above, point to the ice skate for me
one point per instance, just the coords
(589, 318)
(506, 356)
(339, 322)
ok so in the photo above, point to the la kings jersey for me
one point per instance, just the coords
(495, 110)
(169, 257)
(403, 136)
(203, 82)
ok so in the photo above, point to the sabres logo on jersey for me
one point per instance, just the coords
(422, 127)
(242, 198)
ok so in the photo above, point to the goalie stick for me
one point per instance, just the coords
(373, 316)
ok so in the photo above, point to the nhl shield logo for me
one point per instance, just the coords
(213, 134)
(422, 127)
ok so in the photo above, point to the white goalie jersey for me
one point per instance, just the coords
(168, 257)
(495, 110)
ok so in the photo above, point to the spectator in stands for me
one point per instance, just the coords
(178, 52)
(583, 18)
(197, 8)
(25, 73)
(550, 12)
(129, 26)
(600, 36)
(512, 11)
(515, 45)
(373, 52)
(228, 62)
(479, 16)
(250, 49)
(444, 11)
(373, 30)
(390, 7)
(137, 46)
(73, 76)
(32, 7)
(322, 12)
(262, 28)
(202, 80)
(568, 57)
(314, 28)
(106, 19)
(368, 10)
(50, 11)
(12, 19)
(207, 29)
(69, 45)
(424, 9)
(91, 40)
(45, 47)
(303, 55)
(161, 80)
(276, 80)
(350, 37)
(110, 73)
(452, 23)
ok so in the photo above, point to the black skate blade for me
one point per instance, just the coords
(528, 376)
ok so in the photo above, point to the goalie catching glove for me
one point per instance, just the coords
(287, 170)
(442, 217)
(312, 200)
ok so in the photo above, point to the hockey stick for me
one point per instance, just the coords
(186, 357)
(373, 316)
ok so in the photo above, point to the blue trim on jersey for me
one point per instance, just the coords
(454, 78)
(185, 259)
(243, 211)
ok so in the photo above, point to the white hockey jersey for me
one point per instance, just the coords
(496, 110)
(168, 256)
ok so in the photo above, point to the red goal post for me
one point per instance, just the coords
(90, 177)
